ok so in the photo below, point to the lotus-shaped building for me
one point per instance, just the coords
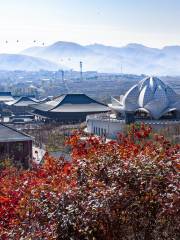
(151, 97)
(150, 101)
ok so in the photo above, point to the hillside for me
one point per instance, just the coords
(132, 58)
(13, 62)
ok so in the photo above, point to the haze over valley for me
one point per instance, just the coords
(12, 62)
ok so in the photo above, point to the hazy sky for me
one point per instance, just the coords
(113, 22)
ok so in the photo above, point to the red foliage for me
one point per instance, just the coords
(125, 189)
(29, 200)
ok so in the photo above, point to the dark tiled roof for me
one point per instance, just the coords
(23, 102)
(72, 103)
(6, 96)
(8, 134)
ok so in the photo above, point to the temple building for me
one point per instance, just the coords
(150, 101)
(22, 105)
(69, 108)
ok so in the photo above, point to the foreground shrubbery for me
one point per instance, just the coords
(118, 190)
(29, 200)
(125, 190)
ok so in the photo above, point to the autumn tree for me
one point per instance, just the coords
(124, 190)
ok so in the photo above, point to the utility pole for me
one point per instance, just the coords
(62, 75)
(81, 72)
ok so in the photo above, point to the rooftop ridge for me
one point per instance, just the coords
(24, 97)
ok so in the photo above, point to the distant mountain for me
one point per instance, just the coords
(12, 62)
(172, 50)
(133, 58)
(58, 50)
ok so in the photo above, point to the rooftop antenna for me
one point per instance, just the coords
(81, 72)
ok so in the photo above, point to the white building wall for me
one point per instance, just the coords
(109, 128)
(105, 128)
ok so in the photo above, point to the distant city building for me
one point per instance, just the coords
(150, 101)
(4, 112)
(16, 146)
(25, 88)
(69, 108)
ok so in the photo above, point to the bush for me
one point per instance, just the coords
(125, 190)
(29, 200)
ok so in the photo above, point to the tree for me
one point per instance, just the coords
(124, 190)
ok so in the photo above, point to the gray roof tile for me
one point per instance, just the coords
(8, 134)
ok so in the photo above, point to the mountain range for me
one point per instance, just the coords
(132, 58)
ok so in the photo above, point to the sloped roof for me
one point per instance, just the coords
(23, 102)
(8, 134)
(72, 103)
(150, 94)
(44, 100)
(6, 96)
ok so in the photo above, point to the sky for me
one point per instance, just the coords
(154, 23)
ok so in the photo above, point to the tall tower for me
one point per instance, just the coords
(81, 71)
